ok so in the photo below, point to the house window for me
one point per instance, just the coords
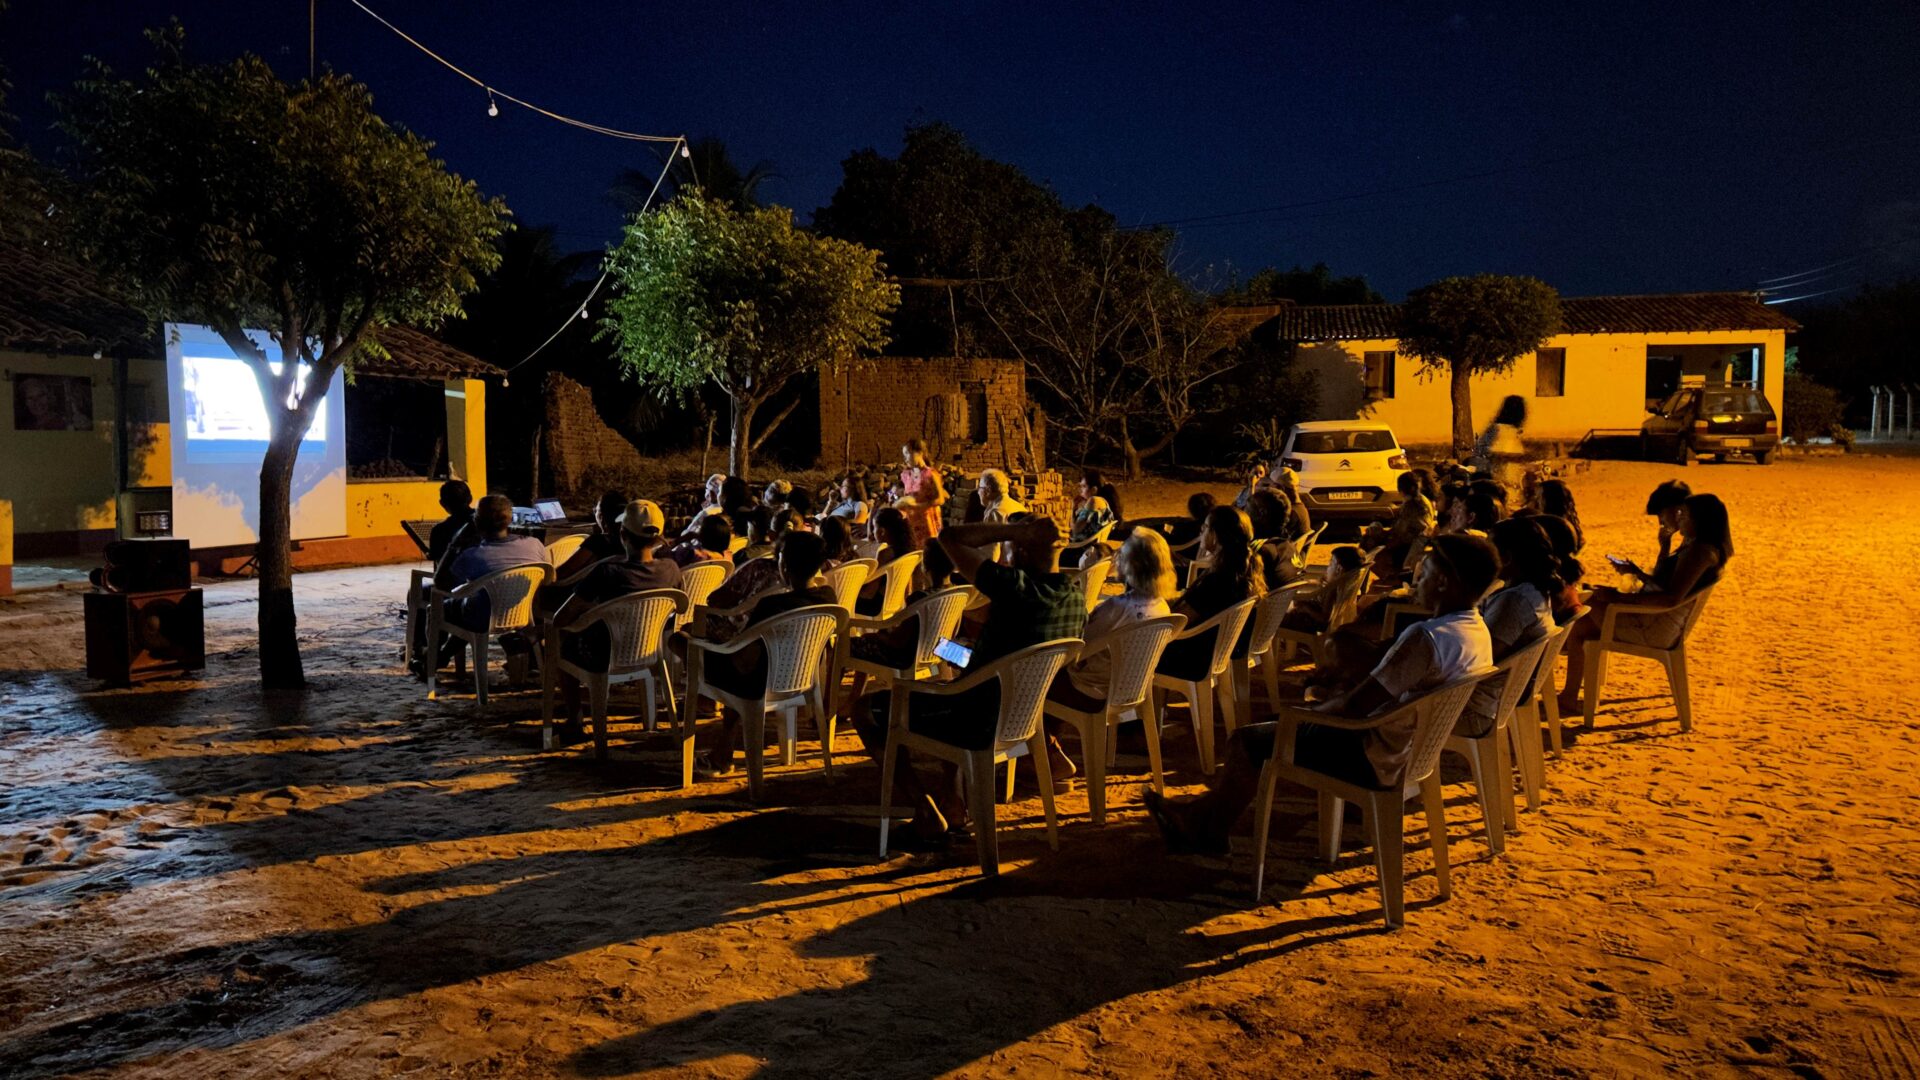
(977, 418)
(1550, 373)
(1379, 375)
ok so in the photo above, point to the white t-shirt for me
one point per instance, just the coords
(1434, 652)
(1092, 676)
(1516, 615)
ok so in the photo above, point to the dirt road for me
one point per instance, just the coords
(199, 881)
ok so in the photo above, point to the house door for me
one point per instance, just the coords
(1663, 378)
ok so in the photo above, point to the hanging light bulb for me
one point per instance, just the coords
(583, 313)
(493, 107)
(684, 152)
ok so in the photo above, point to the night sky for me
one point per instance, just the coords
(1604, 148)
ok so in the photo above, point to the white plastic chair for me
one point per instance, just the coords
(1262, 653)
(1303, 547)
(939, 614)
(1133, 650)
(1487, 754)
(847, 579)
(1091, 579)
(1199, 693)
(896, 582)
(509, 595)
(1673, 659)
(736, 545)
(869, 549)
(1024, 677)
(419, 599)
(795, 642)
(1434, 715)
(1545, 701)
(1341, 613)
(637, 635)
(563, 549)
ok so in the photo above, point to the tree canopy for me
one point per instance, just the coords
(706, 293)
(1302, 286)
(218, 194)
(1468, 326)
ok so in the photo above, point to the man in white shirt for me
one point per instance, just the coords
(1454, 573)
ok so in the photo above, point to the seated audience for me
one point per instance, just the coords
(1561, 536)
(1663, 505)
(456, 498)
(1273, 530)
(760, 536)
(801, 502)
(799, 555)
(1555, 498)
(1031, 602)
(997, 503)
(1518, 613)
(1199, 505)
(638, 528)
(1706, 544)
(896, 539)
(838, 539)
(736, 502)
(1092, 515)
(1454, 573)
(710, 544)
(756, 576)
(711, 502)
(604, 542)
(496, 549)
(777, 495)
(1287, 482)
(1314, 609)
(852, 506)
(1145, 566)
(1094, 485)
(1232, 573)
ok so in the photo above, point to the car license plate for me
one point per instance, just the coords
(1345, 496)
(1736, 442)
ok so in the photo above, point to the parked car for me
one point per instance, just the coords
(1349, 469)
(1711, 421)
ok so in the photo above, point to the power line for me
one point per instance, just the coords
(495, 92)
(581, 311)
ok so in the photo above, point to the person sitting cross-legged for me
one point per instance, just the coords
(639, 528)
(1031, 602)
(1453, 574)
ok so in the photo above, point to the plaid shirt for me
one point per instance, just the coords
(1027, 610)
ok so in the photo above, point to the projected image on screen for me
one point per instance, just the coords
(223, 403)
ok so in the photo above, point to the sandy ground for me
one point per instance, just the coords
(198, 881)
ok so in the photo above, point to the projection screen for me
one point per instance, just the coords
(219, 437)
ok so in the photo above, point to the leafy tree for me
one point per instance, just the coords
(946, 219)
(709, 166)
(1187, 346)
(24, 198)
(1865, 340)
(740, 299)
(1302, 286)
(1467, 326)
(218, 194)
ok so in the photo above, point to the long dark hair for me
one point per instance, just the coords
(835, 536)
(735, 495)
(1566, 542)
(1709, 523)
(1233, 548)
(1096, 482)
(1557, 498)
(1526, 555)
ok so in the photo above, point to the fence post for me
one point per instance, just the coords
(1873, 414)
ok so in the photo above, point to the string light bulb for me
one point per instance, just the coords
(493, 107)
(583, 313)
(684, 152)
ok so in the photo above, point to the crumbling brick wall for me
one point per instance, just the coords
(973, 413)
(577, 443)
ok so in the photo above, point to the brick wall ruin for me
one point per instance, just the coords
(973, 413)
(577, 444)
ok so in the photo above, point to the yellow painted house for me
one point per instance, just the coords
(1615, 357)
(84, 439)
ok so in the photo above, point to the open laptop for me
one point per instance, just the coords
(550, 510)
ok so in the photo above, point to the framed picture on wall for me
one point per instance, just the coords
(44, 402)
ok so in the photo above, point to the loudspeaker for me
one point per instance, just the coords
(132, 637)
(135, 566)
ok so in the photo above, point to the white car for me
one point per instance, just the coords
(1349, 469)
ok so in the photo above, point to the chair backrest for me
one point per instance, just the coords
(869, 549)
(1519, 668)
(700, 579)
(794, 641)
(1303, 547)
(510, 595)
(1435, 713)
(1135, 651)
(1543, 671)
(847, 579)
(1698, 602)
(1092, 579)
(736, 545)
(940, 612)
(1268, 613)
(1227, 626)
(898, 578)
(562, 549)
(1024, 678)
(637, 626)
(1344, 607)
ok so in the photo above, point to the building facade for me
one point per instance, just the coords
(1615, 357)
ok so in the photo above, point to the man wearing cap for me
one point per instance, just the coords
(639, 528)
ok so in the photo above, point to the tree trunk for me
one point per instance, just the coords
(1128, 451)
(280, 667)
(740, 442)
(1462, 388)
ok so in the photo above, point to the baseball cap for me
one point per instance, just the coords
(643, 519)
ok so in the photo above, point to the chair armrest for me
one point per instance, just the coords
(1362, 723)
(1615, 610)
